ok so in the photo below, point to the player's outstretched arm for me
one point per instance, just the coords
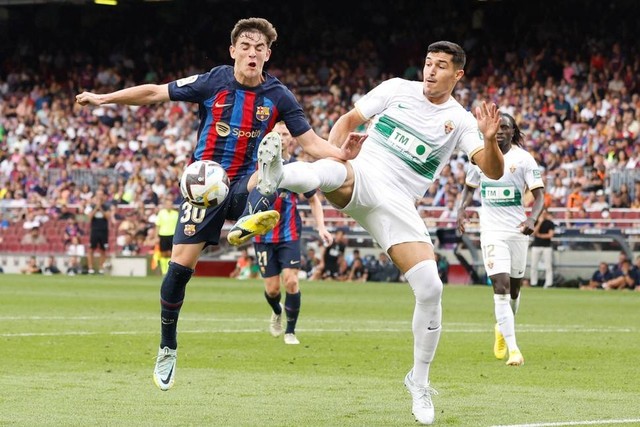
(490, 159)
(135, 95)
(320, 148)
(318, 215)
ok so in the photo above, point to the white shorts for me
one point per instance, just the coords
(386, 212)
(504, 253)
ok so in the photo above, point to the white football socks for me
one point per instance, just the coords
(427, 317)
(302, 177)
(505, 319)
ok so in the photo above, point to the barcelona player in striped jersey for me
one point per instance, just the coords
(278, 252)
(238, 106)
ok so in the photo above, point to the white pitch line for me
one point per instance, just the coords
(574, 423)
(401, 325)
(310, 330)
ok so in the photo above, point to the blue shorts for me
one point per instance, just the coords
(196, 225)
(274, 257)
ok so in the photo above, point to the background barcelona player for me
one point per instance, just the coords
(278, 252)
(238, 106)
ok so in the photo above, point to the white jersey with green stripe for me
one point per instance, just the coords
(503, 199)
(422, 135)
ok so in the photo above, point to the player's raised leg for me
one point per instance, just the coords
(257, 218)
(269, 163)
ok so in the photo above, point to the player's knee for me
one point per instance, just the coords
(501, 283)
(291, 285)
(425, 282)
(331, 174)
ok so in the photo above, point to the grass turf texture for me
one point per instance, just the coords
(80, 351)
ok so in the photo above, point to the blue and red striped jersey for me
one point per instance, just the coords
(289, 227)
(234, 118)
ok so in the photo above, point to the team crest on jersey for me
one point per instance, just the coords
(189, 229)
(490, 264)
(448, 127)
(263, 113)
(512, 169)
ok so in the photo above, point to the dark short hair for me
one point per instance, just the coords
(259, 25)
(459, 57)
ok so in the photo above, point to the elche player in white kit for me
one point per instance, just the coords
(414, 128)
(505, 229)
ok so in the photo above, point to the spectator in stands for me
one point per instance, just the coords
(130, 246)
(383, 270)
(72, 229)
(250, 271)
(618, 201)
(31, 267)
(623, 278)
(309, 263)
(617, 267)
(99, 213)
(636, 272)
(30, 221)
(601, 275)
(357, 270)
(600, 203)
(242, 263)
(34, 237)
(449, 215)
(40, 215)
(625, 196)
(127, 228)
(75, 247)
(443, 267)
(575, 199)
(635, 204)
(558, 192)
(50, 266)
(74, 266)
(605, 220)
(580, 218)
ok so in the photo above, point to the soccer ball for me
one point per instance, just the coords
(204, 184)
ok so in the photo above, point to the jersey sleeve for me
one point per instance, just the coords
(292, 114)
(532, 176)
(194, 88)
(377, 99)
(473, 177)
(471, 139)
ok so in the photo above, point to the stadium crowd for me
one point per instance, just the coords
(574, 90)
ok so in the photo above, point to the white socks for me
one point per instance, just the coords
(427, 317)
(505, 319)
(515, 305)
(302, 177)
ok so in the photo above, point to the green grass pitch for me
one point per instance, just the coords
(79, 351)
